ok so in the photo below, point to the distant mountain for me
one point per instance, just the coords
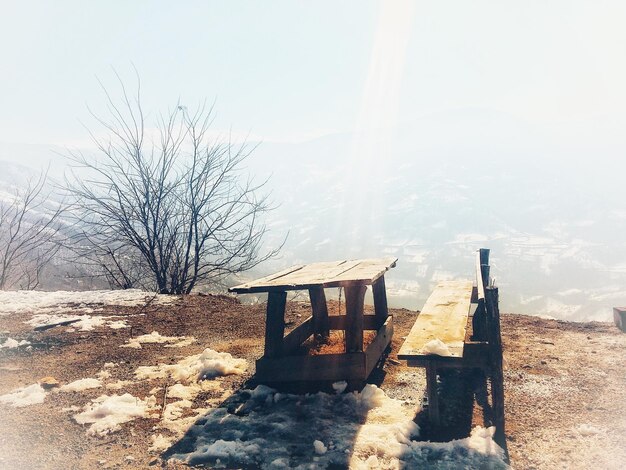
(547, 201)
(442, 187)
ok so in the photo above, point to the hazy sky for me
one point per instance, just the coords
(288, 70)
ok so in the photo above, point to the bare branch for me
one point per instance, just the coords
(168, 214)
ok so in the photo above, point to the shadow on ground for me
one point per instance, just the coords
(280, 422)
(464, 403)
(297, 427)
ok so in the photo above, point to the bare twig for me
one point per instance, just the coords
(29, 234)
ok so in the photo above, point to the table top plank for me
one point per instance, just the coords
(313, 273)
(324, 274)
(444, 317)
(366, 269)
(277, 275)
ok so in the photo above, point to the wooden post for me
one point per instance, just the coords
(496, 372)
(619, 316)
(275, 323)
(479, 321)
(321, 326)
(484, 269)
(355, 296)
(484, 255)
(433, 397)
(381, 310)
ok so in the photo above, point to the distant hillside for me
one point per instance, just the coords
(60, 273)
(545, 201)
(440, 188)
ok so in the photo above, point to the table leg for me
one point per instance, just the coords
(275, 323)
(355, 296)
(380, 301)
(321, 326)
(433, 397)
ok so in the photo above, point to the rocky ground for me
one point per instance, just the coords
(565, 384)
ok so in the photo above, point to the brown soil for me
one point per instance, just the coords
(565, 383)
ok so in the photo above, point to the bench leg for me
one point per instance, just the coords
(433, 398)
(380, 301)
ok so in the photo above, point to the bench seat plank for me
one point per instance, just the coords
(444, 317)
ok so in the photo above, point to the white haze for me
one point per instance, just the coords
(546, 200)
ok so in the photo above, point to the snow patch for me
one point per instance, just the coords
(120, 384)
(107, 413)
(155, 337)
(587, 430)
(28, 301)
(340, 387)
(208, 364)
(84, 323)
(159, 443)
(80, 385)
(320, 448)
(11, 343)
(541, 386)
(436, 346)
(31, 395)
(117, 324)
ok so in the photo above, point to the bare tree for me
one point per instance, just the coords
(169, 209)
(29, 234)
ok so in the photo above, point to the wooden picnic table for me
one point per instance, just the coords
(278, 363)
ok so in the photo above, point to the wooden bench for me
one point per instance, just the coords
(459, 327)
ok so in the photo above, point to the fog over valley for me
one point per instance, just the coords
(431, 192)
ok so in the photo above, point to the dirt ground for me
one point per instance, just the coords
(565, 383)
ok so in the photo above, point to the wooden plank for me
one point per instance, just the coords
(323, 367)
(444, 317)
(449, 363)
(338, 322)
(496, 372)
(266, 279)
(278, 279)
(313, 274)
(331, 274)
(355, 296)
(275, 323)
(480, 282)
(298, 336)
(474, 295)
(328, 275)
(380, 300)
(433, 396)
(366, 270)
(483, 253)
(321, 325)
(484, 268)
(377, 347)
